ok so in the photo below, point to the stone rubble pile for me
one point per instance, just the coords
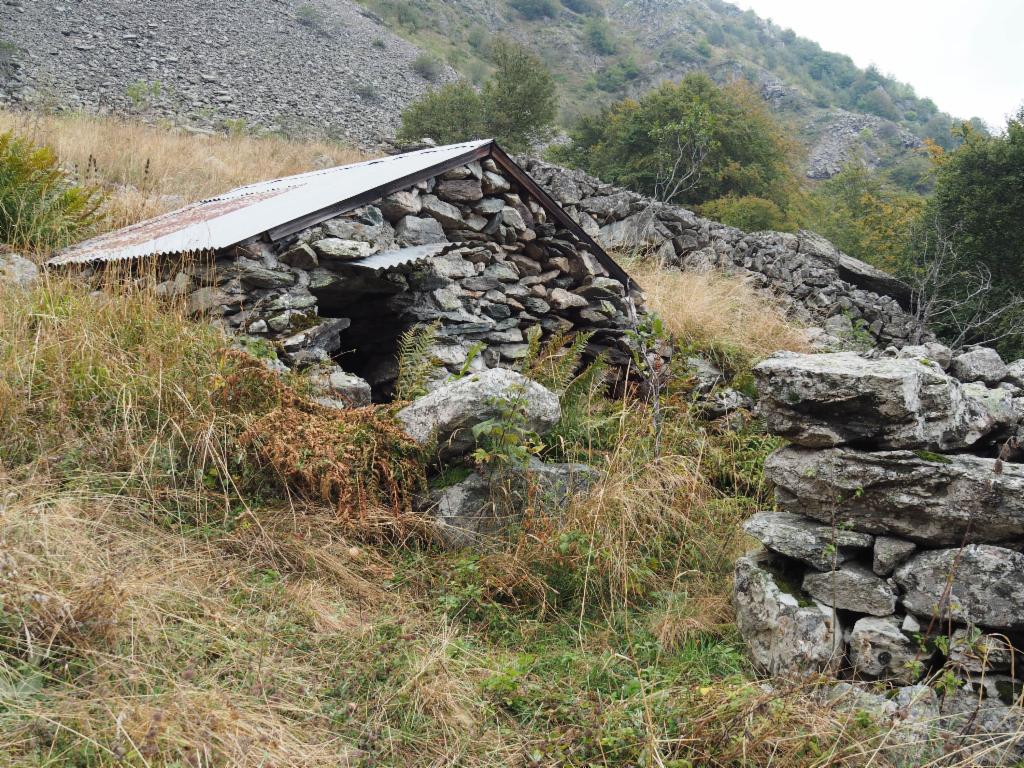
(487, 501)
(810, 277)
(895, 551)
(468, 250)
(310, 68)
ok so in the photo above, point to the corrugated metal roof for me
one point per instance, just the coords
(249, 211)
(389, 259)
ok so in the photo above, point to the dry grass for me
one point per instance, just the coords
(147, 170)
(715, 312)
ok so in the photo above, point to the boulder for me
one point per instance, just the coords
(562, 299)
(707, 375)
(255, 274)
(879, 649)
(974, 651)
(824, 400)
(17, 270)
(416, 230)
(336, 249)
(820, 546)
(316, 344)
(446, 213)
(784, 637)
(342, 388)
(852, 587)
(1015, 373)
(725, 402)
(979, 364)
(931, 499)
(301, 256)
(484, 504)
(368, 227)
(459, 190)
(995, 732)
(930, 352)
(447, 415)
(205, 300)
(890, 552)
(987, 585)
(398, 205)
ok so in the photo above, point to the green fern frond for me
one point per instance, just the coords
(415, 363)
(558, 361)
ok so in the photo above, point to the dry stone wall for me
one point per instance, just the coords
(809, 276)
(896, 551)
(467, 250)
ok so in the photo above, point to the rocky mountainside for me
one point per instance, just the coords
(346, 68)
(277, 65)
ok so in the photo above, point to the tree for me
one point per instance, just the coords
(451, 114)
(519, 100)
(865, 217)
(517, 105)
(720, 140)
(979, 205)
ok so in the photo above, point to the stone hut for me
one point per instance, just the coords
(334, 265)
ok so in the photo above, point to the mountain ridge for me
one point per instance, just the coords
(346, 69)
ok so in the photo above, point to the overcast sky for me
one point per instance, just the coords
(965, 55)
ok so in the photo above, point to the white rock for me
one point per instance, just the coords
(446, 416)
(979, 364)
(784, 638)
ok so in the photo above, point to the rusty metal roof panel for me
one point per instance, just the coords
(249, 211)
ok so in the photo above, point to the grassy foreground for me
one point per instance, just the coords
(174, 591)
(169, 599)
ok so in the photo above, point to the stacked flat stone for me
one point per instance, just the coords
(819, 285)
(895, 548)
(494, 265)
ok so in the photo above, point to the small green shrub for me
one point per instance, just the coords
(8, 54)
(749, 213)
(535, 9)
(428, 66)
(600, 37)
(143, 93)
(41, 207)
(448, 115)
(310, 16)
(367, 92)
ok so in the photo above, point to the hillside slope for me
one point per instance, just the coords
(323, 70)
(346, 69)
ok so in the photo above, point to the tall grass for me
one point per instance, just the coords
(718, 314)
(148, 170)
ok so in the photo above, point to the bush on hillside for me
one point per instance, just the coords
(41, 207)
(749, 213)
(450, 114)
(600, 37)
(638, 143)
(428, 66)
(517, 105)
(535, 9)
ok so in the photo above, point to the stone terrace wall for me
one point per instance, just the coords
(817, 283)
(895, 552)
(494, 265)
